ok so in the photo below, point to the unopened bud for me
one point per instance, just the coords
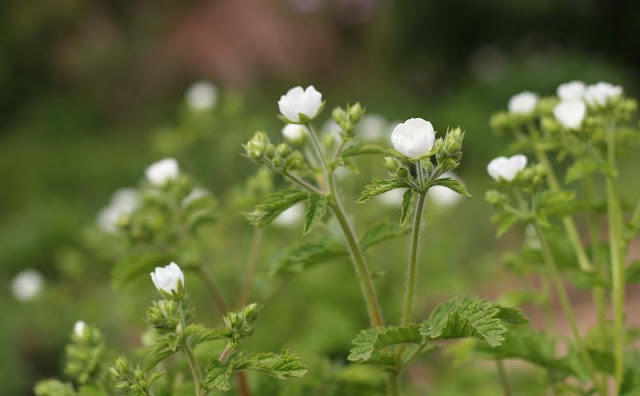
(391, 164)
(283, 150)
(339, 115)
(453, 141)
(355, 113)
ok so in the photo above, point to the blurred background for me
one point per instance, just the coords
(91, 92)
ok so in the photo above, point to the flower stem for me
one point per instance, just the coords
(617, 251)
(504, 380)
(193, 363)
(413, 259)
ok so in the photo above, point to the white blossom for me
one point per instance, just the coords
(523, 103)
(194, 195)
(78, 328)
(123, 202)
(414, 137)
(570, 113)
(300, 101)
(201, 96)
(295, 133)
(443, 196)
(26, 285)
(162, 171)
(290, 216)
(167, 278)
(571, 90)
(503, 168)
(599, 94)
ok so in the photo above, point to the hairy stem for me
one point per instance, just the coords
(193, 363)
(617, 251)
(504, 381)
(413, 259)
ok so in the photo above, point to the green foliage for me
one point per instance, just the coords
(452, 184)
(316, 209)
(362, 149)
(133, 381)
(408, 203)
(274, 204)
(52, 387)
(380, 186)
(299, 258)
(84, 356)
(370, 343)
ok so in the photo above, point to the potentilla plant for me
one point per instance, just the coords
(309, 161)
(582, 130)
(172, 333)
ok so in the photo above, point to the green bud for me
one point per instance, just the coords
(283, 150)
(546, 105)
(550, 125)
(163, 315)
(294, 161)
(402, 172)
(453, 142)
(339, 115)
(251, 312)
(270, 150)
(355, 113)
(391, 164)
(495, 198)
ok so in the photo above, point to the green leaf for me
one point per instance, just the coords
(381, 232)
(408, 202)
(53, 387)
(452, 184)
(278, 365)
(197, 334)
(316, 209)
(217, 375)
(370, 342)
(362, 149)
(380, 186)
(465, 317)
(588, 279)
(633, 272)
(164, 346)
(557, 202)
(511, 315)
(584, 167)
(136, 266)
(296, 259)
(274, 204)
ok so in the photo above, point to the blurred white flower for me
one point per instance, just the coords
(295, 133)
(523, 103)
(202, 95)
(571, 90)
(503, 168)
(194, 195)
(600, 93)
(300, 101)
(123, 202)
(443, 196)
(291, 216)
(532, 238)
(570, 113)
(26, 285)
(162, 171)
(168, 278)
(414, 137)
(392, 198)
(372, 127)
(78, 328)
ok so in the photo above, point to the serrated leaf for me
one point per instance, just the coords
(301, 257)
(217, 375)
(380, 186)
(381, 232)
(163, 347)
(362, 149)
(452, 184)
(557, 202)
(465, 317)
(584, 167)
(278, 365)
(511, 315)
(197, 334)
(316, 209)
(408, 203)
(588, 279)
(371, 341)
(274, 204)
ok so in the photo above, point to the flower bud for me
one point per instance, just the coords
(254, 151)
(169, 280)
(270, 151)
(294, 161)
(295, 134)
(413, 138)
(339, 115)
(391, 164)
(355, 113)
(251, 312)
(402, 172)
(550, 125)
(283, 150)
(500, 122)
(163, 315)
(299, 102)
(453, 142)
(495, 198)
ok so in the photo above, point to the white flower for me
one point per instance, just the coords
(300, 101)
(570, 113)
(295, 133)
(523, 103)
(600, 93)
(291, 216)
(372, 127)
(414, 137)
(571, 90)
(202, 95)
(78, 328)
(443, 196)
(194, 195)
(26, 285)
(392, 198)
(162, 171)
(123, 202)
(503, 168)
(167, 278)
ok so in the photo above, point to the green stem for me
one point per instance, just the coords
(614, 215)
(252, 263)
(392, 384)
(318, 147)
(554, 275)
(193, 363)
(567, 221)
(413, 260)
(504, 381)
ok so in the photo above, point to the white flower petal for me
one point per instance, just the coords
(523, 103)
(414, 137)
(570, 113)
